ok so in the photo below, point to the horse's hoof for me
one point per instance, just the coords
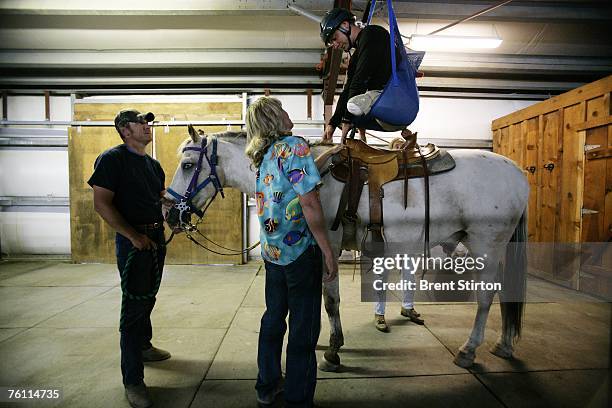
(330, 362)
(501, 352)
(464, 360)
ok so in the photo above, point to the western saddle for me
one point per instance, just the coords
(357, 164)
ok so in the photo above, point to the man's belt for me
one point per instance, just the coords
(150, 227)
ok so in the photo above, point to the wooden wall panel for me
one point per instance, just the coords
(223, 220)
(551, 154)
(505, 141)
(595, 108)
(516, 148)
(608, 197)
(497, 140)
(163, 111)
(572, 175)
(595, 189)
(561, 126)
(92, 239)
(529, 137)
(584, 93)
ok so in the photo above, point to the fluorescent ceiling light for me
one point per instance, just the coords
(451, 42)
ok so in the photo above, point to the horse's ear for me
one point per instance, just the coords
(192, 133)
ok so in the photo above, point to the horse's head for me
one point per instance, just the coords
(197, 180)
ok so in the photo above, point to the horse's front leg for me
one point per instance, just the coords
(331, 296)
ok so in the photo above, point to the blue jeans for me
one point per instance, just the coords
(293, 288)
(135, 325)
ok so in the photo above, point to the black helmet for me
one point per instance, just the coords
(332, 20)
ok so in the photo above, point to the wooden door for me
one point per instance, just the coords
(596, 235)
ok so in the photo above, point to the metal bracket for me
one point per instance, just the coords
(586, 211)
(588, 147)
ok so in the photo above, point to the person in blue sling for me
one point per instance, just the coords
(369, 70)
(368, 73)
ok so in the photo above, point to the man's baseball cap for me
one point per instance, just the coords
(132, 115)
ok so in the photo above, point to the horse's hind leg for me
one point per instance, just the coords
(504, 346)
(467, 352)
(331, 297)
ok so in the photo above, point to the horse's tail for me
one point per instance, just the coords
(514, 279)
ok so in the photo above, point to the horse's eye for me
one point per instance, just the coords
(187, 166)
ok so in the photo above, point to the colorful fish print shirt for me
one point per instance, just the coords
(287, 170)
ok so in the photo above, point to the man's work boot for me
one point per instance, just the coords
(154, 354)
(138, 396)
(412, 315)
(381, 323)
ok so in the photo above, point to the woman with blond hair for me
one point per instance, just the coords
(293, 240)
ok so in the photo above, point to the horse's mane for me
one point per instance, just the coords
(227, 135)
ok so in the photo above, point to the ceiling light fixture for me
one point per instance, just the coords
(451, 42)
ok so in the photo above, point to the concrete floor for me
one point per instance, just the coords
(58, 328)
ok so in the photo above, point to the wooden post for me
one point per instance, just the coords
(327, 114)
(309, 104)
(4, 105)
(47, 107)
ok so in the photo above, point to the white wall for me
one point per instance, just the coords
(443, 118)
(44, 172)
(37, 233)
(438, 118)
(35, 172)
(33, 108)
(30, 172)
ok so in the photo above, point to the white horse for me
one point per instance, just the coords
(481, 203)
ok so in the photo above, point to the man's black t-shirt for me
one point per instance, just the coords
(136, 181)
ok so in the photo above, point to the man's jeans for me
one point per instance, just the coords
(293, 288)
(408, 295)
(135, 323)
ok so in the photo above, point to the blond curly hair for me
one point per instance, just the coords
(264, 125)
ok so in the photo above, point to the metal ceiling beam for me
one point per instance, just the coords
(166, 60)
(185, 58)
(193, 84)
(518, 11)
(449, 10)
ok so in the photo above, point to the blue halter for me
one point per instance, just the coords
(185, 201)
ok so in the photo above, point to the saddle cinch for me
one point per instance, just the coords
(358, 164)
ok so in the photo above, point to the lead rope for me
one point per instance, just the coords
(124, 282)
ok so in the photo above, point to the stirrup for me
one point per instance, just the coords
(349, 233)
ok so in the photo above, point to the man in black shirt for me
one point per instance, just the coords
(368, 72)
(128, 185)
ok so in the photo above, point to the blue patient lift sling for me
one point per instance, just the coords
(398, 103)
